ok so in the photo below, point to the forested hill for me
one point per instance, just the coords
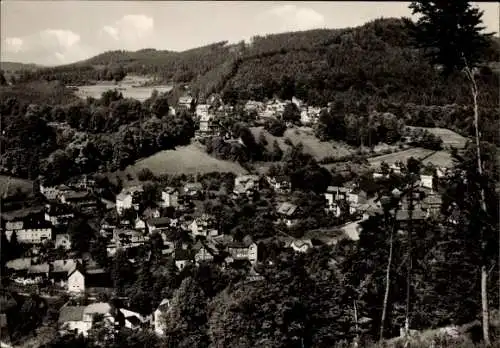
(374, 63)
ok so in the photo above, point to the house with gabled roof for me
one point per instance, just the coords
(193, 189)
(243, 251)
(186, 101)
(169, 197)
(246, 184)
(82, 200)
(204, 226)
(58, 214)
(288, 213)
(76, 279)
(161, 224)
(182, 257)
(32, 229)
(159, 313)
(129, 198)
(203, 252)
(71, 319)
(280, 184)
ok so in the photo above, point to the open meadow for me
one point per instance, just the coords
(438, 158)
(449, 137)
(130, 87)
(312, 145)
(189, 159)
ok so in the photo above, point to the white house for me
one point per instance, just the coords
(241, 251)
(29, 232)
(71, 319)
(202, 110)
(127, 199)
(76, 280)
(159, 322)
(426, 181)
(63, 241)
(203, 226)
(169, 197)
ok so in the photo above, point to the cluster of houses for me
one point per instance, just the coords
(208, 111)
(274, 108)
(189, 235)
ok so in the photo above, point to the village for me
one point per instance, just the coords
(189, 234)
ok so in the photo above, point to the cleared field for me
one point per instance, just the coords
(10, 185)
(438, 158)
(312, 145)
(189, 159)
(449, 137)
(139, 93)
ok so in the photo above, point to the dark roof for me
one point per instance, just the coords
(134, 320)
(76, 195)
(333, 189)
(71, 313)
(159, 221)
(37, 269)
(403, 215)
(181, 254)
(58, 209)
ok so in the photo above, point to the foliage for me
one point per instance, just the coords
(451, 32)
(275, 127)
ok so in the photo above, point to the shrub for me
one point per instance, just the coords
(145, 174)
(275, 127)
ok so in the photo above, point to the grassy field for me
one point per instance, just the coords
(189, 159)
(126, 87)
(449, 137)
(438, 158)
(312, 145)
(9, 185)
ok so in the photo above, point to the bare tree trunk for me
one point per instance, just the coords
(408, 274)
(484, 272)
(387, 282)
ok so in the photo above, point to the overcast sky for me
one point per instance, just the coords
(60, 32)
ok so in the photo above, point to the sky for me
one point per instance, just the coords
(62, 32)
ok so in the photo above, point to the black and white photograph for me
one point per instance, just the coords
(249, 174)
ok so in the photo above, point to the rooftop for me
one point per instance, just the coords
(287, 209)
(19, 264)
(97, 308)
(71, 313)
(64, 265)
(37, 269)
(333, 189)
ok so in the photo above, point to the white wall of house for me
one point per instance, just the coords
(169, 199)
(124, 203)
(76, 282)
(80, 326)
(31, 236)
